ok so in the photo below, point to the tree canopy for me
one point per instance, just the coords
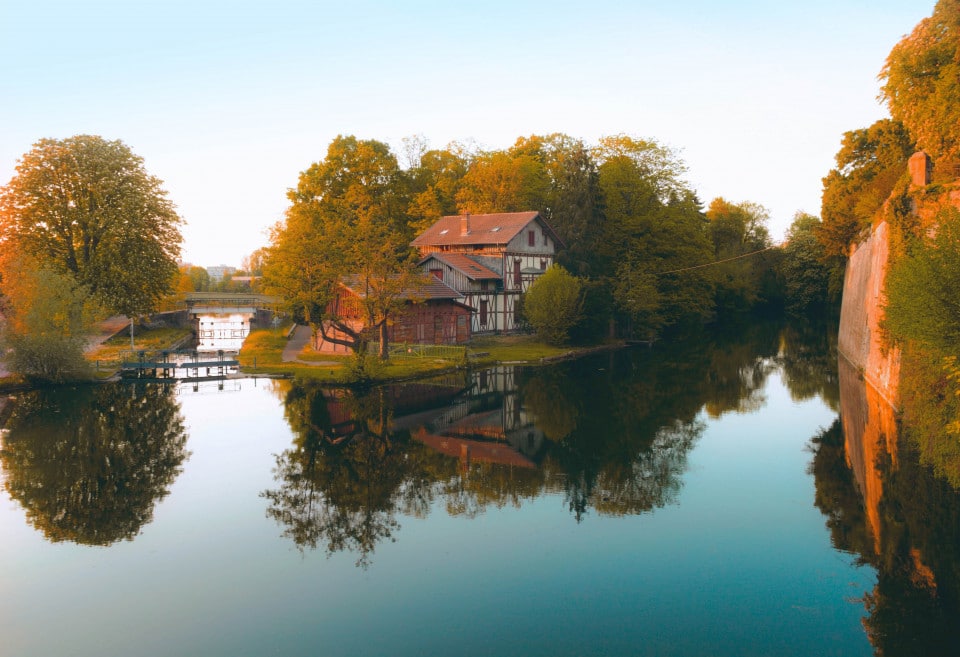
(47, 316)
(869, 163)
(87, 207)
(347, 218)
(553, 304)
(738, 229)
(922, 82)
(805, 269)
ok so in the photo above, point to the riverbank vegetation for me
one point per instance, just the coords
(643, 255)
(85, 232)
(871, 183)
(263, 353)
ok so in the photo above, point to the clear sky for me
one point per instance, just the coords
(228, 101)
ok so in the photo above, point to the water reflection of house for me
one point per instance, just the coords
(488, 423)
(480, 417)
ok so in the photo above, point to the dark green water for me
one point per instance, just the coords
(694, 499)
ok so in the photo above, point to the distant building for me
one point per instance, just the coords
(218, 272)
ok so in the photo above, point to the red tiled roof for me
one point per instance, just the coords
(484, 229)
(479, 451)
(465, 264)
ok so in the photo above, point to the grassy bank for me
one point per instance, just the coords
(106, 358)
(262, 353)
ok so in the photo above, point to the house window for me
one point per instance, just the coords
(438, 273)
(545, 239)
(483, 312)
(516, 273)
(543, 263)
(531, 238)
(484, 285)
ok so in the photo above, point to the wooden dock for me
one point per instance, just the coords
(166, 368)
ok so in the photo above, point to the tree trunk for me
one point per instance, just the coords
(384, 344)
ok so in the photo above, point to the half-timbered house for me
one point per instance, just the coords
(490, 259)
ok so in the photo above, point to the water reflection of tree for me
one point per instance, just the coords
(914, 607)
(618, 429)
(88, 464)
(808, 355)
(346, 477)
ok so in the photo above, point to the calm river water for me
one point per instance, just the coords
(696, 499)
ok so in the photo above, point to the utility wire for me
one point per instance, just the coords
(719, 262)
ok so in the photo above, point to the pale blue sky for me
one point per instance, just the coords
(228, 101)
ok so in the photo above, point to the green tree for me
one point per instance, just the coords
(655, 239)
(572, 203)
(553, 304)
(921, 289)
(48, 315)
(87, 207)
(346, 221)
(922, 82)
(738, 229)
(806, 275)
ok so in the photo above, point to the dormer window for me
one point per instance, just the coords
(444, 231)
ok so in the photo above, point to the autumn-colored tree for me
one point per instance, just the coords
(48, 315)
(740, 238)
(433, 181)
(86, 207)
(253, 263)
(346, 219)
(503, 182)
(922, 82)
(869, 163)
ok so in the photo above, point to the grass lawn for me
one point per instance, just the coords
(113, 351)
(262, 353)
(514, 348)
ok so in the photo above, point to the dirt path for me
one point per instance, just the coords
(106, 330)
(297, 341)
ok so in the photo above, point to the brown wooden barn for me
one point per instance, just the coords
(434, 314)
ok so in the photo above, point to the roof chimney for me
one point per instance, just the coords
(465, 224)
